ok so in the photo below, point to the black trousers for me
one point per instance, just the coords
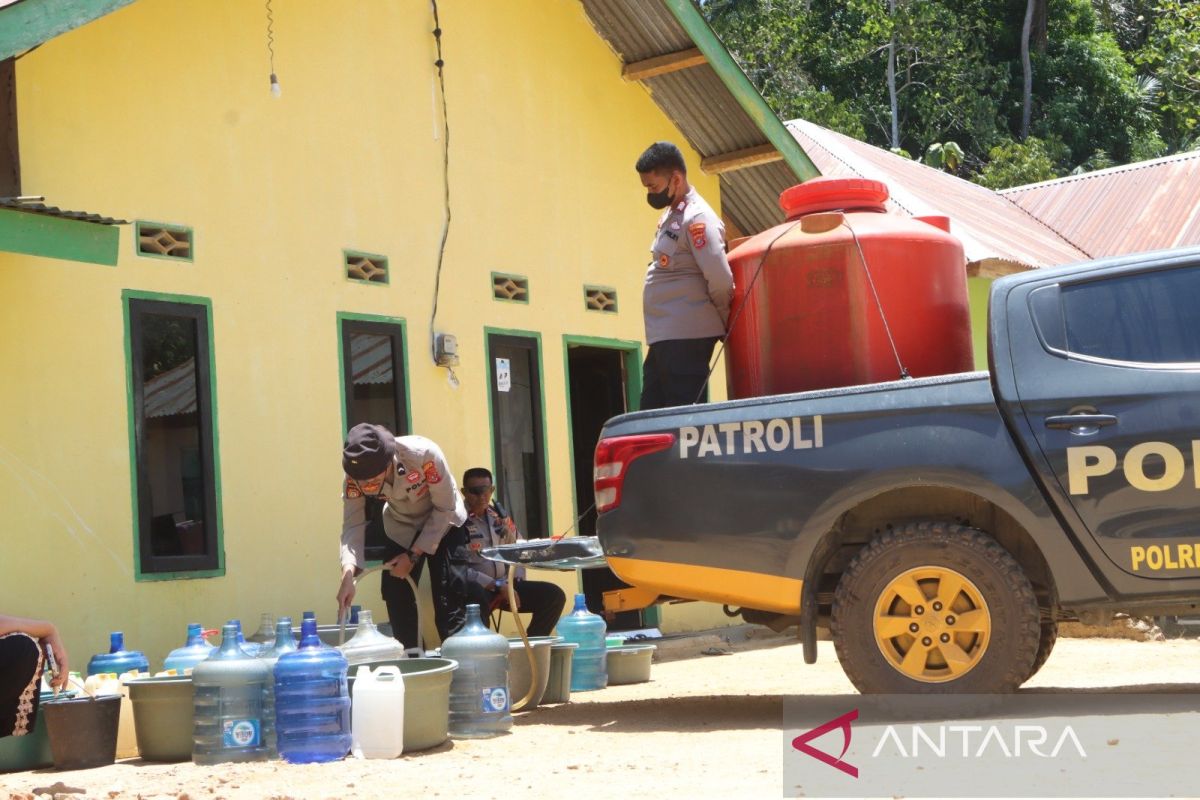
(675, 371)
(448, 588)
(20, 675)
(544, 600)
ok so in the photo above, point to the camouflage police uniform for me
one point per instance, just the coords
(685, 302)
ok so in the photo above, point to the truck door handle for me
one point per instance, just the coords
(1081, 423)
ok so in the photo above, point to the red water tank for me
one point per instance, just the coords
(807, 316)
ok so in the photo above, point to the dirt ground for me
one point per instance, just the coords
(706, 726)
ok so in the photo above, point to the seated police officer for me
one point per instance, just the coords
(486, 526)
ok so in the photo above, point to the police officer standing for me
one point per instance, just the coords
(421, 503)
(688, 287)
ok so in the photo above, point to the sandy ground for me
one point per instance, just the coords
(707, 726)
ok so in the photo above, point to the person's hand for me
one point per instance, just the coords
(400, 566)
(58, 680)
(346, 590)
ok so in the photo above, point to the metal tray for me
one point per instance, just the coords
(577, 552)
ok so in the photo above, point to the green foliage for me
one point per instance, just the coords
(1118, 76)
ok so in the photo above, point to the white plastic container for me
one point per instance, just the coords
(377, 713)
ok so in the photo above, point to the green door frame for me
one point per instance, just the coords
(487, 351)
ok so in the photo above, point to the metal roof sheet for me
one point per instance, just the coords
(171, 392)
(708, 113)
(1149, 205)
(994, 230)
(52, 211)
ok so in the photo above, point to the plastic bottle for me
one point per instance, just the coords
(589, 666)
(118, 659)
(183, 659)
(368, 645)
(312, 705)
(378, 719)
(229, 694)
(479, 701)
(265, 635)
(251, 649)
(284, 642)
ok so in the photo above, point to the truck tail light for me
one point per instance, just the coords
(613, 457)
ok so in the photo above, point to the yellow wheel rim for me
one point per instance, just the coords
(932, 624)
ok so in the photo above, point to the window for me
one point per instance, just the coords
(177, 525)
(373, 383)
(1149, 317)
(157, 240)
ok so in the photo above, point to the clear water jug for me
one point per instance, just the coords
(284, 642)
(368, 645)
(118, 660)
(589, 666)
(229, 695)
(378, 712)
(182, 659)
(251, 648)
(265, 635)
(479, 701)
(312, 705)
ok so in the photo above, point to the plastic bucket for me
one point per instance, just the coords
(31, 751)
(558, 682)
(426, 699)
(83, 731)
(519, 676)
(163, 716)
(629, 663)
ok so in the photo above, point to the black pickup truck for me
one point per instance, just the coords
(940, 528)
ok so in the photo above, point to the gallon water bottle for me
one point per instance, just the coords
(182, 659)
(479, 702)
(118, 659)
(284, 642)
(368, 645)
(312, 706)
(265, 635)
(378, 719)
(229, 693)
(251, 649)
(589, 666)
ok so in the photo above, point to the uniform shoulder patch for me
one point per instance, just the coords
(697, 231)
(351, 490)
(432, 475)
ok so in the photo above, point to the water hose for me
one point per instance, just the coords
(344, 614)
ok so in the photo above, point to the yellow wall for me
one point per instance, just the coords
(978, 291)
(161, 111)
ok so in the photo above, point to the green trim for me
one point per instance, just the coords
(135, 294)
(591, 287)
(167, 226)
(31, 22)
(515, 277)
(387, 267)
(487, 350)
(55, 237)
(743, 91)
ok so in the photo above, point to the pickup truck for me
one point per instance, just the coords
(940, 528)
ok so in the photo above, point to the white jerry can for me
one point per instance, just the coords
(377, 713)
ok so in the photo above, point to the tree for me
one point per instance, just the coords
(1018, 163)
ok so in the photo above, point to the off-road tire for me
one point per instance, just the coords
(1012, 606)
(1049, 635)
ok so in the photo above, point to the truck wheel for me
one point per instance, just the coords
(1049, 636)
(934, 608)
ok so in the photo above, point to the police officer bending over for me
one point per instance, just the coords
(688, 287)
(486, 526)
(421, 504)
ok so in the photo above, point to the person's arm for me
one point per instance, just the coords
(46, 634)
(448, 508)
(354, 527)
(706, 238)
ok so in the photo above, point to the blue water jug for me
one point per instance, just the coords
(589, 666)
(118, 659)
(229, 692)
(312, 703)
(192, 653)
(479, 701)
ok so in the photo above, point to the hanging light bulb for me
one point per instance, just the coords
(276, 90)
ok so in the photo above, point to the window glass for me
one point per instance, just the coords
(1151, 317)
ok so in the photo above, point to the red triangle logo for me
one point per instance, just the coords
(801, 742)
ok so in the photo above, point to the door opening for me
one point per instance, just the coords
(517, 442)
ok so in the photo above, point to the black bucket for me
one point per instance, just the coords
(83, 732)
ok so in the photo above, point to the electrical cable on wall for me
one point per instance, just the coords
(437, 276)
(276, 90)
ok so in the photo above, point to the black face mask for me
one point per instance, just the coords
(659, 200)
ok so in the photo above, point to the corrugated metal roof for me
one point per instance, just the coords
(173, 392)
(371, 358)
(1150, 205)
(700, 103)
(52, 211)
(994, 230)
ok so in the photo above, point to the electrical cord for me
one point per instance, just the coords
(437, 275)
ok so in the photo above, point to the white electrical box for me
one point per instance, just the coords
(445, 350)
